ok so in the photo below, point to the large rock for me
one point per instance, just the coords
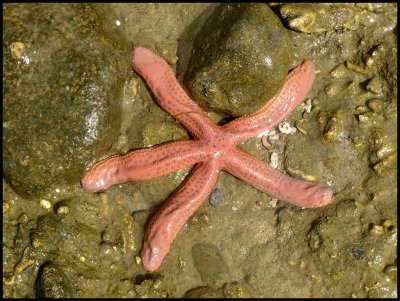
(240, 58)
(63, 74)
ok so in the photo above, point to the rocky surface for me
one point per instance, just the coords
(63, 74)
(240, 58)
(69, 242)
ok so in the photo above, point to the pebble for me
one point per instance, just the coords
(18, 50)
(374, 85)
(45, 204)
(391, 271)
(62, 210)
(339, 71)
(286, 128)
(274, 160)
(356, 68)
(375, 104)
(308, 105)
(217, 198)
(6, 207)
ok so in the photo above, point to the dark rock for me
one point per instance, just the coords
(240, 58)
(63, 75)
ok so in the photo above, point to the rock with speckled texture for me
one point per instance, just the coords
(240, 58)
(63, 76)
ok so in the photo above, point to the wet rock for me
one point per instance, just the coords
(211, 265)
(375, 105)
(52, 283)
(63, 75)
(240, 58)
(375, 85)
(391, 271)
(386, 165)
(336, 125)
(47, 238)
(67, 242)
(235, 290)
(151, 287)
(320, 17)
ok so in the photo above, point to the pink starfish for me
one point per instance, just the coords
(213, 148)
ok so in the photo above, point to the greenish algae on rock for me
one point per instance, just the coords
(63, 74)
(239, 60)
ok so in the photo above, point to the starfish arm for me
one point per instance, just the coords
(143, 164)
(292, 93)
(276, 184)
(165, 225)
(169, 94)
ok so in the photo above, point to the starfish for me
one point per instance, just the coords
(212, 149)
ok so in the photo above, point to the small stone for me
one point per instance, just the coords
(6, 207)
(45, 204)
(375, 85)
(308, 105)
(356, 68)
(369, 61)
(235, 290)
(106, 248)
(332, 89)
(369, 119)
(386, 165)
(217, 198)
(362, 109)
(274, 160)
(63, 209)
(152, 288)
(286, 128)
(387, 224)
(391, 271)
(375, 104)
(106, 236)
(319, 17)
(376, 230)
(18, 50)
(339, 71)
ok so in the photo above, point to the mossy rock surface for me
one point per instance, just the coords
(240, 58)
(63, 75)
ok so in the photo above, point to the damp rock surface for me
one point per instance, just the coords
(52, 283)
(240, 58)
(210, 264)
(63, 73)
(346, 138)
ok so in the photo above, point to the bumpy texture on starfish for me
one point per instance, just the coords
(213, 148)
